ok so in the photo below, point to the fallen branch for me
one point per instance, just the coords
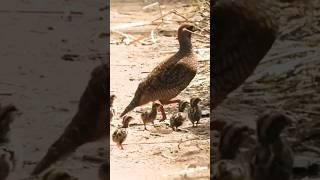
(5, 94)
(93, 159)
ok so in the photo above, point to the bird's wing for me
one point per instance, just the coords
(171, 80)
(242, 37)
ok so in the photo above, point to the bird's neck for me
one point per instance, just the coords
(185, 45)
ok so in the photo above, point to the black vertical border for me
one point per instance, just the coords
(212, 65)
(107, 47)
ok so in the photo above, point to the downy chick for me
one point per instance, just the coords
(112, 108)
(119, 136)
(194, 112)
(126, 120)
(149, 117)
(273, 158)
(233, 164)
(178, 118)
(8, 159)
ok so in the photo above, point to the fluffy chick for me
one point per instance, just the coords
(119, 136)
(194, 112)
(112, 108)
(126, 120)
(178, 118)
(149, 117)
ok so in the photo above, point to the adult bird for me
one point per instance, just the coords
(170, 77)
(244, 31)
(87, 125)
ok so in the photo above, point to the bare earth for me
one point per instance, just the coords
(44, 87)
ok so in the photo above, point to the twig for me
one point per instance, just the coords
(150, 5)
(5, 94)
(93, 159)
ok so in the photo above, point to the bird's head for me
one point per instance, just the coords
(185, 31)
(194, 101)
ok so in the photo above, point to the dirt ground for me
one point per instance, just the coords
(46, 88)
(158, 153)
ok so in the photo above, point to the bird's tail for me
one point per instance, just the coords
(6, 120)
(83, 125)
(66, 144)
(130, 107)
(270, 126)
(231, 138)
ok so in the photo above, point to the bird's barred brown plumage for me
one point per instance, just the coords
(244, 31)
(8, 151)
(88, 123)
(170, 77)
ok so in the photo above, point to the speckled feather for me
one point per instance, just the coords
(194, 112)
(179, 117)
(119, 136)
(149, 117)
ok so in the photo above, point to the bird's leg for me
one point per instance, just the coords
(163, 113)
(166, 102)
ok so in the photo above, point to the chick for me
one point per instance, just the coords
(8, 154)
(149, 117)
(112, 108)
(178, 118)
(273, 157)
(119, 136)
(194, 112)
(126, 120)
(58, 175)
(232, 164)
